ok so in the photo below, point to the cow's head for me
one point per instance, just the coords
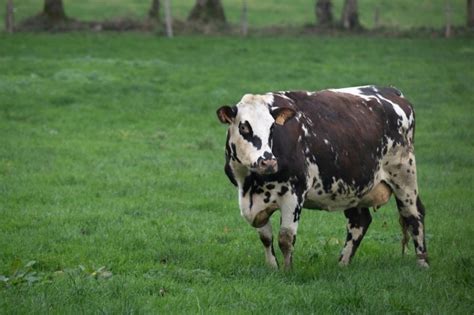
(251, 124)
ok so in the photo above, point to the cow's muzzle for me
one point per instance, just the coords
(267, 166)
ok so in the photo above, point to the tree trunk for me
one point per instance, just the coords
(9, 17)
(470, 13)
(168, 19)
(207, 12)
(244, 24)
(324, 12)
(448, 13)
(154, 12)
(350, 16)
(54, 10)
(377, 17)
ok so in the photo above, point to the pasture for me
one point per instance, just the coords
(113, 197)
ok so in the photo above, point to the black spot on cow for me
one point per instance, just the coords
(297, 214)
(246, 132)
(415, 242)
(320, 192)
(267, 155)
(349, 236)
(230, 174)
(420, 207)
(270, 186)
(414, 223)
(267, 197)
(410, 161)
(283, 190)
(267, 242)
(234, 153)
(248, 182)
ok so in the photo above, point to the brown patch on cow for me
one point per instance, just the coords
(342, 127)
(263, 216)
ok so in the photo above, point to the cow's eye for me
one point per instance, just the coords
(244, 128)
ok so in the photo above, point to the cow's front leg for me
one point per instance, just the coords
(290, 215)
(266, 237)
(359, 220)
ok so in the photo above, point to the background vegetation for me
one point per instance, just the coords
(113, 197)
(402, 14)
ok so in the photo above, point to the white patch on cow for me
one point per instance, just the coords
(400, 112)
(406, 121)
(305, 130)
(354, 91)
(356, 233)
(346, 254)
(326, 141)
(282, 95)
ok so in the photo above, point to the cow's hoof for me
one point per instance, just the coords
(423, 263)
(273, 264)
(343, 264)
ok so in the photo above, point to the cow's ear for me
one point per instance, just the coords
(226, 114)
(282, 115)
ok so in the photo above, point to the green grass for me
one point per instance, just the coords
(111, 156)
(403, 14)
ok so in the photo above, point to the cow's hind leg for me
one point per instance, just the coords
(412, 217)
(266, 236)
(412, 212)
(359, 220)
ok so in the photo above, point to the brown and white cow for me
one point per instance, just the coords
(339, 149)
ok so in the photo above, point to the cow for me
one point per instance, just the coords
(343, 149)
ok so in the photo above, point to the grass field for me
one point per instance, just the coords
(113, 197)
(402, 14)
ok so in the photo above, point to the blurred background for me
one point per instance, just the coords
(369, 14)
